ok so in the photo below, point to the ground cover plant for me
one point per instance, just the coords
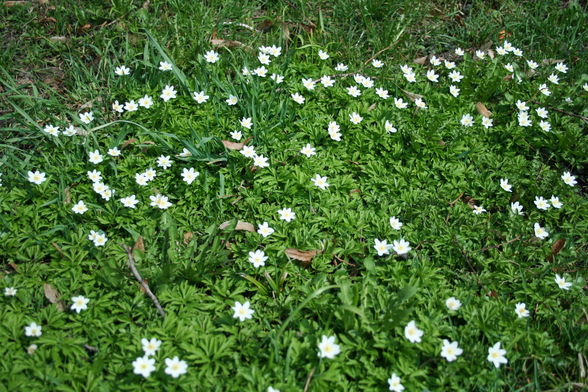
(297, 216)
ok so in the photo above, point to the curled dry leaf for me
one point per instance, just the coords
(556, 248)
(58, 39)
(239, 226)
(412, 96)
(139, 244)
(481, 108)
(129, 141)
(372, 106)
(234, 145)
(188, 237)
(53, 296)
(305, 256)
(420, 60)
(226, 43)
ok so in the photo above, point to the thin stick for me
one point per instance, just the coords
(144, 284)
(308, 379)
(517, 238)
(381, 51)
(563, 111)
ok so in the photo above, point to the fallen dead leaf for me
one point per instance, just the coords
(305, 256)
(226, 43)
(129, 141)
(67, 195)
(139, 244)
(481, 108)
(58, 39)
(240, 226)
(412, 96)
(188, 237)
(420, 60)
(556, 248)
(234, 145)
(372, 106)
(53, 296)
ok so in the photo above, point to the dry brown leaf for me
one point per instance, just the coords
(139, 244)
(129, 141)
(265, 26)
(412, 96)
(226, 43)
(240, 226)
(67, 195)
(53, 296)
(556, 248)
(58, 39)
(481, 108)
(14, 266)
(188, 237)
(551, 61)
(305, 256)
(372, 107)
(14, 3)
(507, 77)
(420, 60)
(236, 146)
(491, 53)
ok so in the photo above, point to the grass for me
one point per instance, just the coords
(58, 61)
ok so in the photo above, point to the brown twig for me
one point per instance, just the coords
(456, 200)
(308, 379)
(563, 111)
(517, 238)
(144, 284)
(380, 52)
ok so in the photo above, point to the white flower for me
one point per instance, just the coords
(533, 65)
(569, 179)
(540, 232)
(377, 63)
(287, 214)
(496, 355)
(449, 64)
(501, 51)
(264, 229)
(505, 185)
(87, 117)
(248, 151)
(95, 157)
(561, 282)
(79, 303)
(328, 348)
(522, 106)
(480, 54)
(260, 71)
(555, 202)
(246, 122)
(165, 66)
(478, 210)
(553, 78)
(585, 87)
(237, 135)
(509, 67)
(487, 122)
(341, 67)
(150, 347)
(394, 383)
(516, 208)
(395, 223)
(113, 152)
(355, 118)
(122, 71)
(467, 120)
(200, 97)
(521, 310)
(544, 90)
(561, 67)
(435, 61)
(319, 181)
(164, 161)
(432, 76)
(185, 153)
(541, 203)
(455, 76)
(308, 150)
(401, 247)
(454, 90)
(272, 389)
(333, 130)
(367, 82)
(323, 55)
(257, 258)
(141, 179)
(545, 126)
(542, 112)
(80, 207)
(412, 333)
(175, 367)
(246, 72)
(117, 107)
(260, 161)
(99, 187)
(517, 52)
(70, 131)
(211, 56)
(232, 100)
(160, 201)
(299, 99)
(353, 91)
(242, 311)
(167, 93)
(33, 330)
(9, 291)
(189, 175)
(129, 201)
(94, 175)
(382, 93)
(264, 58)
(131, 106)
(309, 84)
(100, 239)
(106, 194)
(146, 102)
(389, 127)
(36, 177)
(453, 303)
(420, 103)
(382, 247)
(51, 130)
(524, 119)
(410, 77)
(459, 52)
(450, 351)
(508, 46)
(327, 81)
(277, 78)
